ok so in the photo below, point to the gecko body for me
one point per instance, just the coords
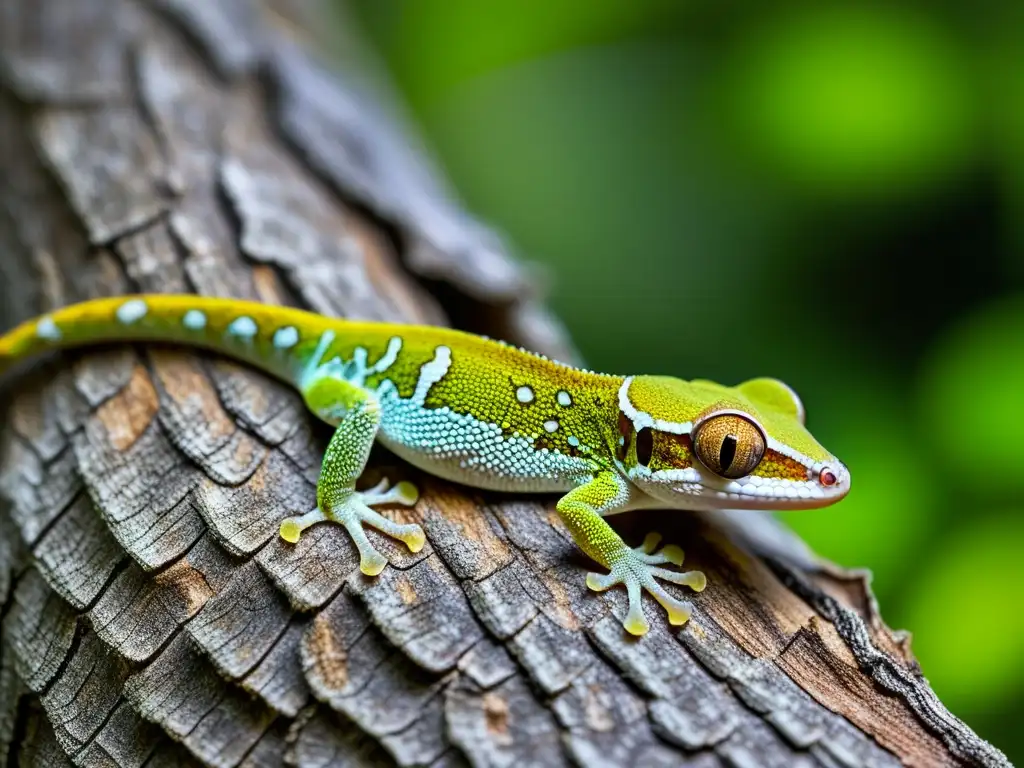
(490, 415)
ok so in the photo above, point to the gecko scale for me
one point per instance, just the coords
(489, 415)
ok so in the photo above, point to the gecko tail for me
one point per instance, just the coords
(265, 336)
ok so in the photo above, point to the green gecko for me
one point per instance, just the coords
(489, 415)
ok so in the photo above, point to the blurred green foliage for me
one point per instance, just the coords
(853, 100)
(832, 194)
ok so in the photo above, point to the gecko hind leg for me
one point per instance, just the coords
(356, 414)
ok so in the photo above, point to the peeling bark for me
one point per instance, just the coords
(151, 615)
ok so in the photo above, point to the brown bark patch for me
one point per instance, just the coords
(496, 715)
(329, 657)
(190, 585)
(128, 414)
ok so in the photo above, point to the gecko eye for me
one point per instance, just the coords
(728, 444)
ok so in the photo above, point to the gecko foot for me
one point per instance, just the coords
(354, 512)
(638, 569)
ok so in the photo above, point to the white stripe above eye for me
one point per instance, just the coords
(286, 338)
(641, 419)
(131, 311)
(244, 327)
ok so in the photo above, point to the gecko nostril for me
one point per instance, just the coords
(827, 477)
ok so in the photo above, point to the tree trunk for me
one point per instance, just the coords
(151, 614)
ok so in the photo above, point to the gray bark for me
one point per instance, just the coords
(150, 614)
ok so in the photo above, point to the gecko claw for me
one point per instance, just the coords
(637, 570)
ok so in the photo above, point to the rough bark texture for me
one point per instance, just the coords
(151, 615)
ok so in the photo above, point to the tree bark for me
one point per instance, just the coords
(151, 614)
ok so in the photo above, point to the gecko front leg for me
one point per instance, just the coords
(356, 413)
(582, 510)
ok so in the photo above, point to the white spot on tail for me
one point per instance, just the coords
(551, 426)
(286, 338)
(431, 373)
(47, 329)
(194, 320)
(524, 395)
(564, 398)
(573, 441)
(131, 311)
(243, 327)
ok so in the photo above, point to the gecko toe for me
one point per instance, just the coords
(651, 541)
(380, 488)
(635, 622)
(678, 611)
(695, 580)
(372, 563)
(292, 527)
(413, 537)
(599, 582)
(667, 554)
(290, 531)
(673, 554)
(404, 494)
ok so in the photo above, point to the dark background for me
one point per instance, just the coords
(832, 194)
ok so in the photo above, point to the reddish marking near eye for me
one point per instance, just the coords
(827, 478)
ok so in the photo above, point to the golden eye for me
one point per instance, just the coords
(728, 444)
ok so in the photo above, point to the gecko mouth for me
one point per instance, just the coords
(693, 487)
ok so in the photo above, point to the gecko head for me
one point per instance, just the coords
(701, 445)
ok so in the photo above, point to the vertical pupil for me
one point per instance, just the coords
(727, 452)
(644, 446)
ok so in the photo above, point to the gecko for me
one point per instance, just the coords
(493, 416)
